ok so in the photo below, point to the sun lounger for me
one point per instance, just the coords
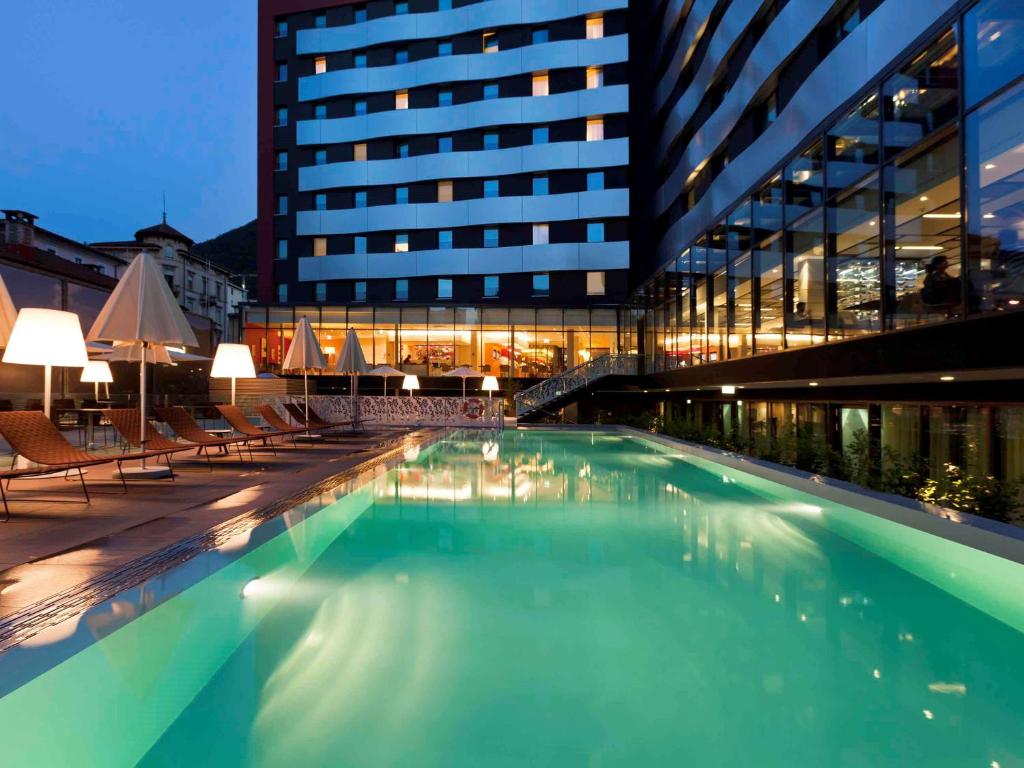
(185, 427)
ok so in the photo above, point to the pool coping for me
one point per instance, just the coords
(74, 601)
(990, 536)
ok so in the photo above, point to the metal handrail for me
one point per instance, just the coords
(575, 378)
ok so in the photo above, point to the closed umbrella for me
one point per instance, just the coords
(304, 353)
(465, 372)
(352, 362)
(387, 372)
(142, 312)
(8, 314)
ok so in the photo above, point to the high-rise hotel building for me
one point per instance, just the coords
(450, 177)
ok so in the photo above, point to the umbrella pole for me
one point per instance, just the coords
(142, 402)
(305, 391)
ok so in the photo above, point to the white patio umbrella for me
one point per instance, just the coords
(353, 362)
(142, 312)
(304, 353)
(8, 314)
(465, 372)
(387, 372)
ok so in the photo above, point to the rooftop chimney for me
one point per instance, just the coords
(20, 228)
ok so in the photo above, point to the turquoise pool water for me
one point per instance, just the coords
(543, 599)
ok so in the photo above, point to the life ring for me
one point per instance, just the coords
(473, 409)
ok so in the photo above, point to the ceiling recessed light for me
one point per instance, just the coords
(947, 378)
(689, 402)
(813, 384)
(990, 166)
(923, 198)
(728, 389)
(988, 215)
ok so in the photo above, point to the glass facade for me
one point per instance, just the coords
(428, 341)
(865, 228)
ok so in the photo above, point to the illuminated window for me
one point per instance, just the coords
(320, 158)
(491, 140)
(444, 239)
(320, 20)
(540, 135)
(401, 99)
(282, 29)
(541, 234)
(491, 238)
(360, 15)
(401, 55)
(541, 284)
(540, 185)
(359, 61)
(595, 129)
(282, 293)
(282, 73)
(282, 205)
(320, 65)
(359, 244)
(282, 249)
(595, 283)
(319, 246)
(444, 97)
(540, 85)
(490, 91)
(490, 42)
(321, 292)
(491, 286)
(359, 199)
(320, 202)
(444, 191)
(282, 161)
(595, 27)
(360, 106)
(402, 290)
(595, 232)
(444, 288)
(359, 151)
(444, 5)
(595, 181)
(539, 35)
(359, 291)
(401, 195)
(320, 111)
(491, 188)
(595, 77)
(444, 48)
(444, 144)
(402, 243)
(402, 149)
(281, 117)
(401, 7)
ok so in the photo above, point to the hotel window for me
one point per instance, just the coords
(282, 249)
(282, 205)
(595, 27)
(444, 240)
(993, 40)
(359, 290)
(491, 188)
(401, 99)
(444, 48)
(320, 157)
(540, 85)
(491, 140)
(282, 29)
(540, 185)
(490, 40)
(402, 150)
(490, 238)
(320, 65)
(492, 286)
(595, 77)
(401, 8)
(595, 129)
(444, 5)
(359, 244)
(444, 144)
(281, 117)
(359, 151)
(282, 161)
(319, 246)
(595, 181)
(320, 20)
(444, 97)
(490, 91)
(541, 234)
(401, 195)
(320, 202)
(444, 288)
(402, 243)
(540, 135)
(321, 292)
(319, 111)
(595, 232)
(541, 284)
(282, 73)
(359, 16)
(539, 35)
(401, 56)
(359, 199)
(595, 283)
(360, 106)
(444, 191)
(359, 60)
(401, 290)
(282, 293)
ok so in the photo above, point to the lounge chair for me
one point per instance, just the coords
(126, 422)
(33, 436)
(314, 421)
(274, 419)
(185, 427)
(233, 415)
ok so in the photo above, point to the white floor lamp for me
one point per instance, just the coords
(47, 337)
(233, 361)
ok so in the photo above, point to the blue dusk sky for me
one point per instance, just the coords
(109, 103)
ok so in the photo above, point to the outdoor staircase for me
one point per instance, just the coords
(548, 391)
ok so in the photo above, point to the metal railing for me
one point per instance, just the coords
(575, 378)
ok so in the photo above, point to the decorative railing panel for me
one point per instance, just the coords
(407, 411)
(575, 378)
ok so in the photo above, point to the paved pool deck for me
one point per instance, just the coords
(54, 540)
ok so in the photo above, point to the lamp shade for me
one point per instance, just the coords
(97, 372)
(411, 383)
(233, 361)
(490, 384)
(47, 337)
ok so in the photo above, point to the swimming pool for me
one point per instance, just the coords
(547, 599)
